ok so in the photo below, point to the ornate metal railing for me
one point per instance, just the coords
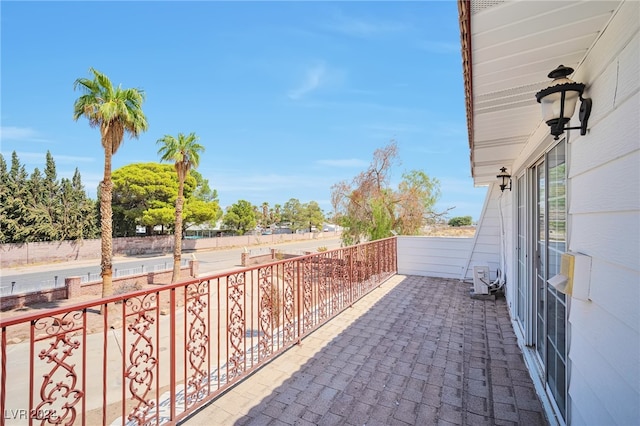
(155, 356)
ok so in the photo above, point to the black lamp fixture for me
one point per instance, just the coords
(559, 102)
(505, 179)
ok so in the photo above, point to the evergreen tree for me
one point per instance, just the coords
(51, 202)
(78, 219)
(39, 219)
(88, 213)
(41, 208)
(16, 209)
(4, 182)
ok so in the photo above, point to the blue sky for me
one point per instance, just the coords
(288, 98)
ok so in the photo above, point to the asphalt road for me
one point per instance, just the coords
(33, 278)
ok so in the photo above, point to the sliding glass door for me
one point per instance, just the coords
(521, 251)
(556, 311)
(539, 260)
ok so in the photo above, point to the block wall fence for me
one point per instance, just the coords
(12, 255)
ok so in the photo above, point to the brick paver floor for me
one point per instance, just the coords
(416, 351)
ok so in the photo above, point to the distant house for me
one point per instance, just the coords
(202, 231)
(330, 227)
(282, 230)
(574, 204)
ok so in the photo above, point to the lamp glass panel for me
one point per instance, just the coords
(551, 104)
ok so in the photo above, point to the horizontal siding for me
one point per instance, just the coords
(614, 137)
(612, 238)
(594, 192)
(510, 260)
(488, 235)
(486, 248)
(604, 223)
(605, 376)
(609, 68)
(433, 256)
(616, 291)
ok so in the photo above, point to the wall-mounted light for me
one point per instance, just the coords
(505, 179)
(559, 102)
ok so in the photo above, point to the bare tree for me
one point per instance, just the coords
(368, 208)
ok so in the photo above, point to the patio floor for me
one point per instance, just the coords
(416, 351)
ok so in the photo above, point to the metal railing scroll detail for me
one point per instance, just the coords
(157, 355)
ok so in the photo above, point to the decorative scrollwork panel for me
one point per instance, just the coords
(196, 341)
(309, 267)
(266, 311)
(60, 394)
(141, 363)
(288, 301)
(237, 324)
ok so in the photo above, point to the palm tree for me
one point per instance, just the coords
(115, 111)
(184, 151)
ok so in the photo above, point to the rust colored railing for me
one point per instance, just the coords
(155, 356)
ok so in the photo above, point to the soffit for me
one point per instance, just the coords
(513, 46)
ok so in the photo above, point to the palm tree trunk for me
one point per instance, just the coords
(177, 240)
(106, 225)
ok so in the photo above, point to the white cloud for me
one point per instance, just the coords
(365, 28)
(231, 181)
(313, 79)
(40, 157)
(71, 159)
(350, 162)
(20, 134)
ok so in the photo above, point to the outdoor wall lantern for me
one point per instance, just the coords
(505, 179)
(559, 102)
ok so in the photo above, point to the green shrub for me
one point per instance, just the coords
(461, 221)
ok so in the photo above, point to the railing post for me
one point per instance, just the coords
(351, 276)
(395, 254)
(105, 351)
(298, 290)
(172, 355)
(3, 369)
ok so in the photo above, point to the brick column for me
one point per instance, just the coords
(73, 287)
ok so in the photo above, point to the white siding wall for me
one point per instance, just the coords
(455, 257)
(604, 223)
(433, 256)
(486, 248)
(604, 209)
